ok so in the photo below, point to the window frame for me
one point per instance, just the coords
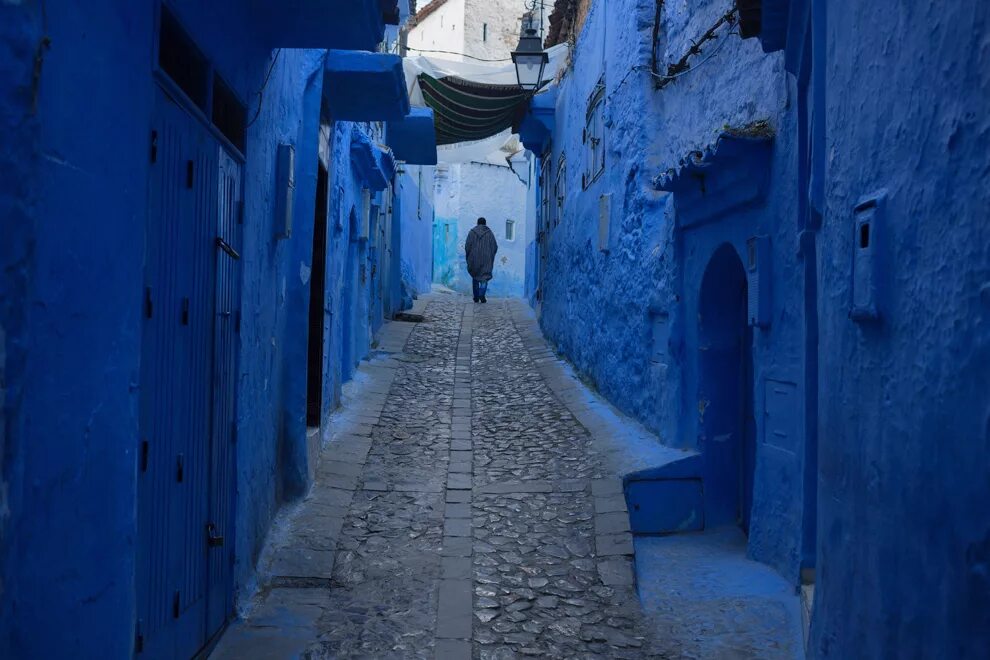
(560, 189)
(593, 136)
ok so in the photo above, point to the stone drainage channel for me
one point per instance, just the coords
(468, 504)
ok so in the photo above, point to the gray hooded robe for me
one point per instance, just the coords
(480, 248)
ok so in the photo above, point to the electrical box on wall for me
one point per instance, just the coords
(285, 171)
(604, 208)
(866, 267)
(758, 274)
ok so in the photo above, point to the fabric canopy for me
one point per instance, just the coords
(472, 101)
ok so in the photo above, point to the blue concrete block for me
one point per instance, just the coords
(342, 24)
(413, 138)
(361, 86)
(665, 506)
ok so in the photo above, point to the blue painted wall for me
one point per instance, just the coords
(414, 195)
(74, 346)
(628, 316)
(73, 207)
(905, 401)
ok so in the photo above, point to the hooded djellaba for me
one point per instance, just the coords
(479, 249)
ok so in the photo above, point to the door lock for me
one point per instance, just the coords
(212, 539)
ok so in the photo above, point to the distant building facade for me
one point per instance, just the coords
(465, 30)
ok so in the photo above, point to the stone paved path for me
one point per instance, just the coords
(466, 506)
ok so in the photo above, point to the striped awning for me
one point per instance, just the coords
(465, 111)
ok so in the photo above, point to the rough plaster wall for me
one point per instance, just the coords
(597, 305)
(503, 18)
(19, 37)
(905, 403)
(73, 267)
(443, 30)
(415, 192)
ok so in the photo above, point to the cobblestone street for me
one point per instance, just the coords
(461, 510)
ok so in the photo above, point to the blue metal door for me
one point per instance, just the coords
(220, 526)
(178, 478)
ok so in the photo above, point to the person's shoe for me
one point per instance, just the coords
(484, 299)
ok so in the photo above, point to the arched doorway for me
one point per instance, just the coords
(727, 427)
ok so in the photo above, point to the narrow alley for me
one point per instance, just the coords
(494, 329)
(462, 511)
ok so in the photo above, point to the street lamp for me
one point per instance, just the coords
(529, 57)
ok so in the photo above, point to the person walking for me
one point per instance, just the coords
(479, 249)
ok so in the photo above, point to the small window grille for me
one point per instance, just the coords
(545, 190)
(594, 134)
(560, 191)
(182, 61)
(510, 230)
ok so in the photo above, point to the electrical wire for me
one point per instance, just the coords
(261, 92)
(450, 52)
(666, 77)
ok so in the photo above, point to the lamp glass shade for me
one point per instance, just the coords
(529, 69)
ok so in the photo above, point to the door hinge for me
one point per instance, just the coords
(144, 456)
(233, 433)
(138, 638)
(175, 605)
(237, 322)
(179, 467)
(148, 306)
(185, 311)
(189, 174)
(154, 147)
(240, 212)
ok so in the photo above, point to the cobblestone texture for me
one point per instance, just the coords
(464, 513)
(520, 431)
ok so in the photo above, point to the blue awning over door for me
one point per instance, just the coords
(413, 138)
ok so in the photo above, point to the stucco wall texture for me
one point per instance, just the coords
(880, 485)
(73, 204)
(415, 195)
(600, 307)
(905, 402)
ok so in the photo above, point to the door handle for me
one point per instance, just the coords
(226, 247)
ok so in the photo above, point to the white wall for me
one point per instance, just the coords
(503, 18)
(443, 30)
(463, 192)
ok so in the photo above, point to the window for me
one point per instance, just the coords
(229, 114)
(510, 230)
(545, 189)
(484, 31)
(559, 190)
(184, 63)
(593, 136)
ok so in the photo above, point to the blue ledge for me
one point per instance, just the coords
(537, 125)
(343, 24)
(371, 164)
(413, 139)
(360, 86)
(774, 24)
(730, 174)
